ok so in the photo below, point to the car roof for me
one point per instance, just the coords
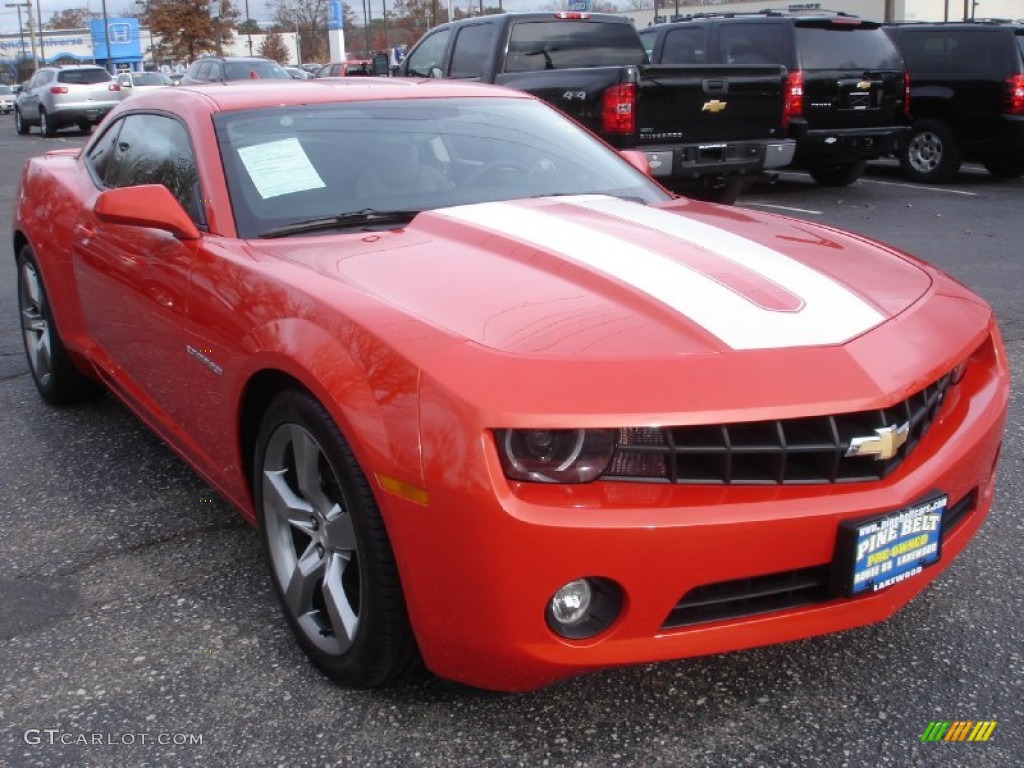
(253, 94)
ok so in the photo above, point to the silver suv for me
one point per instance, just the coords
(57, 97)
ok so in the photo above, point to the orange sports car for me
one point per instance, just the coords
(494, 398)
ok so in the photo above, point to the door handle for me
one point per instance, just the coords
(83, 232)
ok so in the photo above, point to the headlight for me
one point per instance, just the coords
(555, 455)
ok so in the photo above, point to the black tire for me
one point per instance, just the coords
(1005, 167)
(20, 126)
(837, 174)
(45, 124)
(327, 547)
(55, 375)
(930, 153)
(723, 192)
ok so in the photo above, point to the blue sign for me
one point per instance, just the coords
(124, 39)
(579, 6)
(335, 18)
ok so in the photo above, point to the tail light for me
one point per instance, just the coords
(793, 105)
(618, 109)
(114, 87)
(58, 89)
(906, 93)
(571, 15)
(1013, 100)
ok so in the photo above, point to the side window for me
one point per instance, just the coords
(684, 45)
(102, 150)
(428, 54)
(153, 149)
(203, 71)
(473, 46)
(756, 43)
(647, 38)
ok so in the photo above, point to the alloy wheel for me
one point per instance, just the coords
(34, 324)
(311, 539)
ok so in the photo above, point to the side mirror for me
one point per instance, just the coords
(637, 159)
(149, 205)
(381, 65)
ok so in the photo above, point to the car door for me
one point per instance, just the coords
(29, 103)
(134, 280)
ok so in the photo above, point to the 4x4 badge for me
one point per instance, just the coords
(713, 106)
(883, 445)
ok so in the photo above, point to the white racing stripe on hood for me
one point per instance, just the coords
(831, 314)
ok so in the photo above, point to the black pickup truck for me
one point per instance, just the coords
(706, 130)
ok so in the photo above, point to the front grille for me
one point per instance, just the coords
(777, 591)
(783, 452)
(746, 597)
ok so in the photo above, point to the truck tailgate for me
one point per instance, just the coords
(710, 103)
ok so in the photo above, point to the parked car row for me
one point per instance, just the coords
(963, 84)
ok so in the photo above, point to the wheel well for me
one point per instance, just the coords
(20, 241)
(259, 392)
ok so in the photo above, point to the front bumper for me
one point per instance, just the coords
(481, 561)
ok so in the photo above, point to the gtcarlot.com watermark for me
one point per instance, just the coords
(55, 736)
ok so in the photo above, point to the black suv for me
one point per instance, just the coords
(847, 98)
(966, 97)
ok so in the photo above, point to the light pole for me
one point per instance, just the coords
(106, 37)
(39, 15)
(21, 29)
(248, 26)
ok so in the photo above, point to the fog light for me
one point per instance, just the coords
(570, 604)
(584, 607)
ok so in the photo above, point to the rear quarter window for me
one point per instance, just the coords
(538, 45)
(855, 48)
(988, 53)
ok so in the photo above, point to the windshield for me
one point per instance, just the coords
(252, 70)
(291, 164)
(6, 89)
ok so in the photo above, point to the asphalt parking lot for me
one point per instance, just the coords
(138, 627)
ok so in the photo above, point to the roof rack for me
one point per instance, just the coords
(774, 12)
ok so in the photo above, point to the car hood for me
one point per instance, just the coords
(612, 310)
(598, 276)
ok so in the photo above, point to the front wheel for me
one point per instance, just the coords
(838, 174)
(329, 555)
(54, 373)
(20, 126)
(930, 154)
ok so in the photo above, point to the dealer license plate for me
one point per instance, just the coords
(878, 553)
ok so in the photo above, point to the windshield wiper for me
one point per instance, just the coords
(367, 217)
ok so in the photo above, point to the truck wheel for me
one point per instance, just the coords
(838, 174)
(717, 191)
(930, 154)
(1005, 167)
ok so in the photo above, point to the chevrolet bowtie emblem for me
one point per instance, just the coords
(713, 106)
(863, 85)
(883, 445)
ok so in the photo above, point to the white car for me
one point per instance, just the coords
(132, 82)
(7, 96)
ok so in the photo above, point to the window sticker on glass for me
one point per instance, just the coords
(280, 168)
